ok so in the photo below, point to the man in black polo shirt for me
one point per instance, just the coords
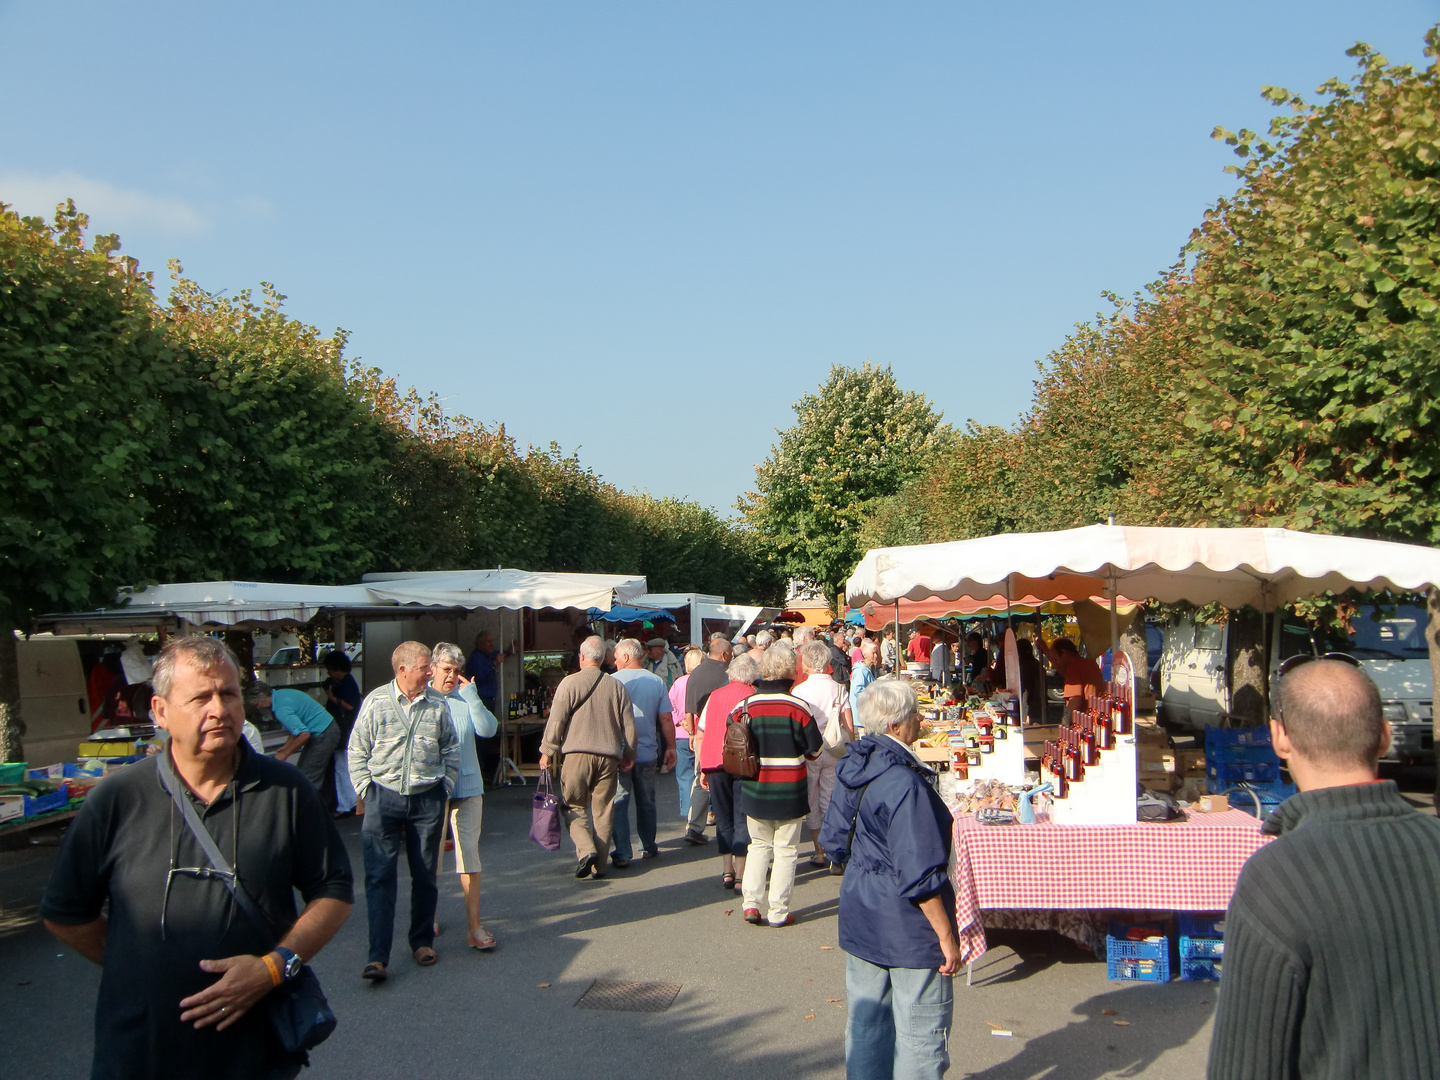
(704, 681)
(186, 971)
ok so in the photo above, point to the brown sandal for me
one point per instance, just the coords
(425, 956)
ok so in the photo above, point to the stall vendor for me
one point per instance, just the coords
(1080, 676)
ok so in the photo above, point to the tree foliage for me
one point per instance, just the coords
(1313, 321)
(855, 441)
(217, 437)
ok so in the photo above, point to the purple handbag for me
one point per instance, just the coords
(545, 814)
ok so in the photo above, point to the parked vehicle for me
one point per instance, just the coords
(1388, 640)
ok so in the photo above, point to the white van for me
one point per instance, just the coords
(53, 700)
(1388, 640)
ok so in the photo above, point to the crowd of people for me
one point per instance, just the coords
(185, 867)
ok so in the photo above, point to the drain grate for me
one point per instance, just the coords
(628, 996)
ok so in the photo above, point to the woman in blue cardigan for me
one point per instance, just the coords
(897, 906)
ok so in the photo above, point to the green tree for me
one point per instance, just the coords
(273, 469)
(857, 440)
(1313, 325)
(83, 366)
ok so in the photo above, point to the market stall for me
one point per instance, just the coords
(1189, 864)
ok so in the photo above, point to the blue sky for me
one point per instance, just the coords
(643, 230)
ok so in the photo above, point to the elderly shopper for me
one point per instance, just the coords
(654, 750)
(724, 789)
(862, 676)
(591, 735)
(471, 720)
(659, 660)
(404, 761)
(830, 704)
(897, 907)
(776, 800)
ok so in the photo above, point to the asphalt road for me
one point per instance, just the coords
(754, 1002)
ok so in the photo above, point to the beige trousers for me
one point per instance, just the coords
(587, 787)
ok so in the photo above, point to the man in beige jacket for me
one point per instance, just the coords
(592, 732)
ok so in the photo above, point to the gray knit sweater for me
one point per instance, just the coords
(1332, 944)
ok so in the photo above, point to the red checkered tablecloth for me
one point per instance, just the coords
(1189, 865)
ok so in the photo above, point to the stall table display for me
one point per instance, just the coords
(1189, 865)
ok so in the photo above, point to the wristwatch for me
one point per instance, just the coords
(292, 963)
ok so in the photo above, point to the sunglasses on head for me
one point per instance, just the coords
(1287, 666)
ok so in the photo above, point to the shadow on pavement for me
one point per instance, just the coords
(1148, 1020)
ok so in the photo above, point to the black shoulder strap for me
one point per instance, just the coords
(855, 821)
(171, 783)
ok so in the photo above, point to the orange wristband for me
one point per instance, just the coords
(274, 969)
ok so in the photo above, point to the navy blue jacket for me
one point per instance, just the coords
(901, 854)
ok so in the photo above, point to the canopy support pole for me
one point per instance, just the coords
(1114, 623)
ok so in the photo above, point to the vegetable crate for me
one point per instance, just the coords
(12, 772)
(1130, 960)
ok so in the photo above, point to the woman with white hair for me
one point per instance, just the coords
(471, 720)
(830, 704)
(777, 799)
(897, 907)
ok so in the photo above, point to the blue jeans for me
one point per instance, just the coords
(416, 822)
(639, 781)
(684, 774)
(731, 830)
(899, 1022)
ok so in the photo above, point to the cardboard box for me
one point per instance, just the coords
(1164, 783)
(1212, 804)
(1190, 762)
(12, 807)
(1151, 735)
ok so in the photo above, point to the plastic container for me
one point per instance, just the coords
(1244, 736)
(1199, 969)
(1137, 961)
(12, 772)
(1269, 795)
(44, 804)
(1200, 924)
(1220, 777)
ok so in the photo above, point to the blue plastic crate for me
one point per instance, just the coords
(1199, 969)
(1202, 924)
(1143, 961)
(1237, 755)
(1243, 736)
(1193, 947)
(1270, 796)
(1219, 777)
(1138, 970)
(43, 804)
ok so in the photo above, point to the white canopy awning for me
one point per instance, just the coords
(508, 589)
(1263, 568)
(220, 603)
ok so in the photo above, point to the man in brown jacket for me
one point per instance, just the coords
(592, 731)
